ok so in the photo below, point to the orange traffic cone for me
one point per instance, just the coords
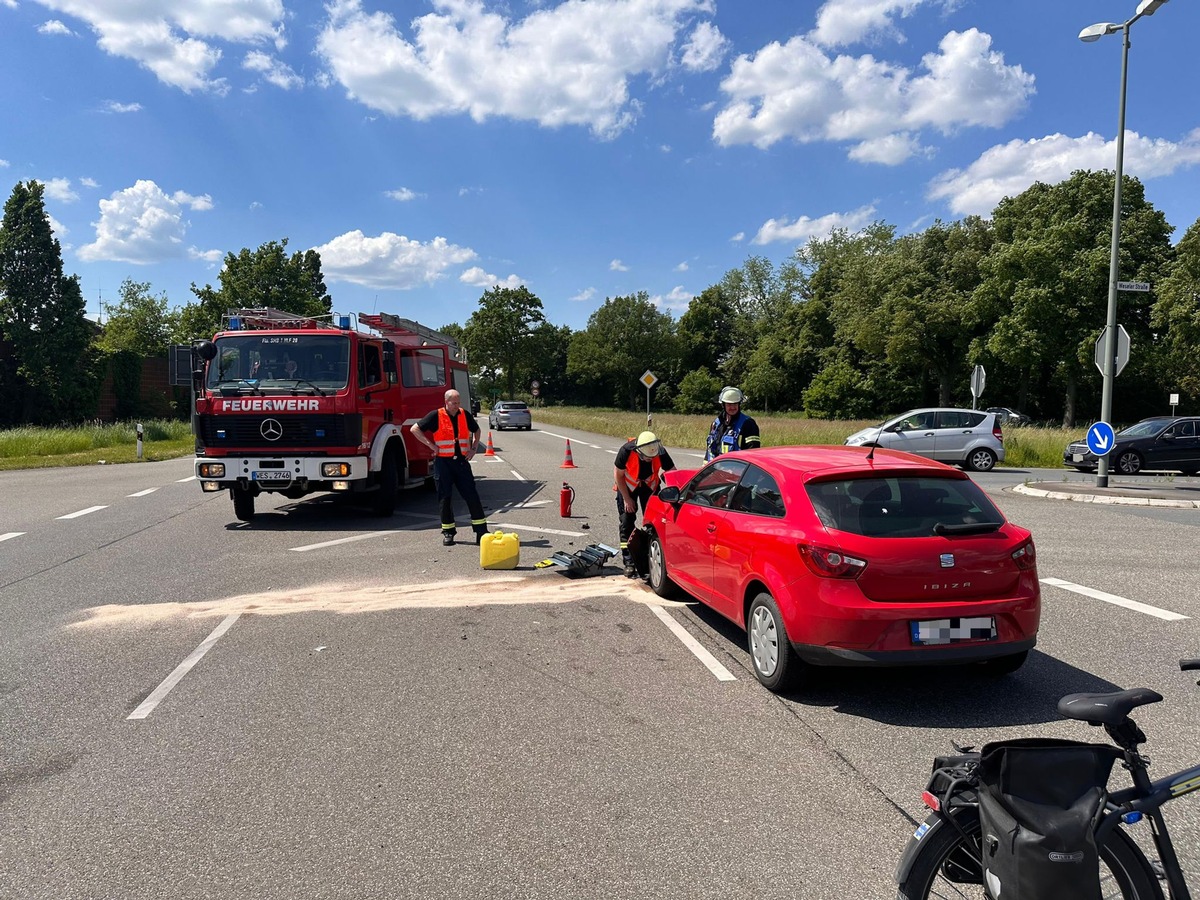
(491, 451)
(568, 462)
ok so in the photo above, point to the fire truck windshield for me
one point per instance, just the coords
(266, 362)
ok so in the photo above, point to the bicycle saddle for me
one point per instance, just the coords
(1105, 709)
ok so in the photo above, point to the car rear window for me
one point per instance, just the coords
(513, 406)
(904, 506)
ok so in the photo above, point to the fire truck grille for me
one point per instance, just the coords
(293, 431)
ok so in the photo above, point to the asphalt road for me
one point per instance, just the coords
(373, 715)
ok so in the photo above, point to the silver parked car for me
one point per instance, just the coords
(961, 437)
(509, 414)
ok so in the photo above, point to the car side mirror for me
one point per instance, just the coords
(669, 495)
(1168, 437)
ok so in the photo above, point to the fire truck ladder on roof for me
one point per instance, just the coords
(262, 317)
(412, 332)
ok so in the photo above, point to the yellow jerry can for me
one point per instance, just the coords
(499, 550)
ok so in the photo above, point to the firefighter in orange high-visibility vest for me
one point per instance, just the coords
(636, 476)
(453, 434)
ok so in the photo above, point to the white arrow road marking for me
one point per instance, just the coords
(11, 534)
(147, 706)
(82, 512)
(710, 661)
(1100, 438)
(143, 493)
(1146, 608)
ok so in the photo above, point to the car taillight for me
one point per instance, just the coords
(1025, 556)
(997, 432)
(826, 562)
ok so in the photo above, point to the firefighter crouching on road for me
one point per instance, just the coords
(636, 476)
(452, 433)
(732, 429)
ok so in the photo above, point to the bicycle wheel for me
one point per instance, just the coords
(948, 866)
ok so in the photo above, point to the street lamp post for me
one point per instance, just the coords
(1089, 34)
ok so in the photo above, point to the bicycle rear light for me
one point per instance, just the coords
(930, 799)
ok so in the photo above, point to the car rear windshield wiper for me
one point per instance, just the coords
(967, 528)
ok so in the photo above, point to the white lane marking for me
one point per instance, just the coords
(563, 437)
(536, 528)
(614, 452)
(528, 504)
(185, 480)
(1115, 600)
(143, 493)
(11, 534)
(710, 661)
(357, 537)
(517, 475)
(697, 455)
(82, 512)
(147, 706)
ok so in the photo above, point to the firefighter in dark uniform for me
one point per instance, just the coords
(732, 429)
(636, 476)
(452, 433)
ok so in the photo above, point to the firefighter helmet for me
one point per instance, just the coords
(647, 444)
(732, 395)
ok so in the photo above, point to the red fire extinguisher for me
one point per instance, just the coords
(565, 498)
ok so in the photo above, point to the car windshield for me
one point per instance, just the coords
(1149, 428)
(904, 506)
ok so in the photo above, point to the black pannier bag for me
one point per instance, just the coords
(1039, 803)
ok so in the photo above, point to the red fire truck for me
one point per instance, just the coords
(293, 405)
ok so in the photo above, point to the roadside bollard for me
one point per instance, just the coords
(139, 439)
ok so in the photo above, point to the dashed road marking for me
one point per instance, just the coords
(710, 662)
(147, 706)
(10, 535)
(358, 537)
(143, 493)
(536, 528)
(82, 512)
(1146, 608)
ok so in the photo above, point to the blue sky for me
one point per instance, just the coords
(430, 149)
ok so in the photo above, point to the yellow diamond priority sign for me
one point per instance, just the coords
(649, 379)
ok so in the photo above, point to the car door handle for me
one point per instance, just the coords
(712, 527)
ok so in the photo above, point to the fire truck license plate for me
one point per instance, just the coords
(273, 477)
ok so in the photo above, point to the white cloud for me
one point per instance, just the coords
(212, 257)
(89, 182)
(54, 26)
(738, 238)
(59, 189)
(804, 228)
(570, 64)
(60, 230)
(4, 163)
(142, 225)
(272, 70)
(795, 90)
(841, 22)
(402, 194)
(113, 106)
(1005, 170)
(584, 295)
(389, 261)
(174, 40)
(705, 48)
(479, 278)
(617, 266)
(677, 299)
(254, 204)
(682, 267)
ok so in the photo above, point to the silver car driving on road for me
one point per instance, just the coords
(969, 438)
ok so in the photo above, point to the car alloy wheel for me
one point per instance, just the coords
(981, 460)
(1129, 463)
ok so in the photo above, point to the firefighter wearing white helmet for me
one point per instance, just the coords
(636, 472)
(732, 429)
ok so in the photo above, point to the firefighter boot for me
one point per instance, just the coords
(447, 538)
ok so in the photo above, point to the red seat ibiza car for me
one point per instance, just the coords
(836, 556)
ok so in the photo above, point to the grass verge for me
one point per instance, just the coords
(85, 445)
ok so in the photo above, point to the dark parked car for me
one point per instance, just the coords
(1161, 443)
(1009, 416)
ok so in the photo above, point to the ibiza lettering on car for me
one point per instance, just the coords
(281, 404)
(947, 585)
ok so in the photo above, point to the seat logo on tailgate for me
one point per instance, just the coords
(947, 560)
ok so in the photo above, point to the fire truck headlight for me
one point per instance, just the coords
(212, 470)
(210, 486)
(341, 485)
(335, 470)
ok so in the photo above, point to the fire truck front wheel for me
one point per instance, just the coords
(384, 502)
(243, 504)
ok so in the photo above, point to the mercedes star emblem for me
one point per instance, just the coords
(271, 429)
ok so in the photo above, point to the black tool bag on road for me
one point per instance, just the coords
(1039, 803)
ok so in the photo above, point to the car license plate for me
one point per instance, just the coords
(1077, 457)
(953, 631)
(272, 477)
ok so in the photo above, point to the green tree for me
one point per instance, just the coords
(1176, 315)
(140, 323)
(697, 392)
(266, 277)
(1045, 281)
(501, 336)
(706, 330)
(51, 377)
(624, 337)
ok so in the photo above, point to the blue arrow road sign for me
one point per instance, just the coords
(1100, 438)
